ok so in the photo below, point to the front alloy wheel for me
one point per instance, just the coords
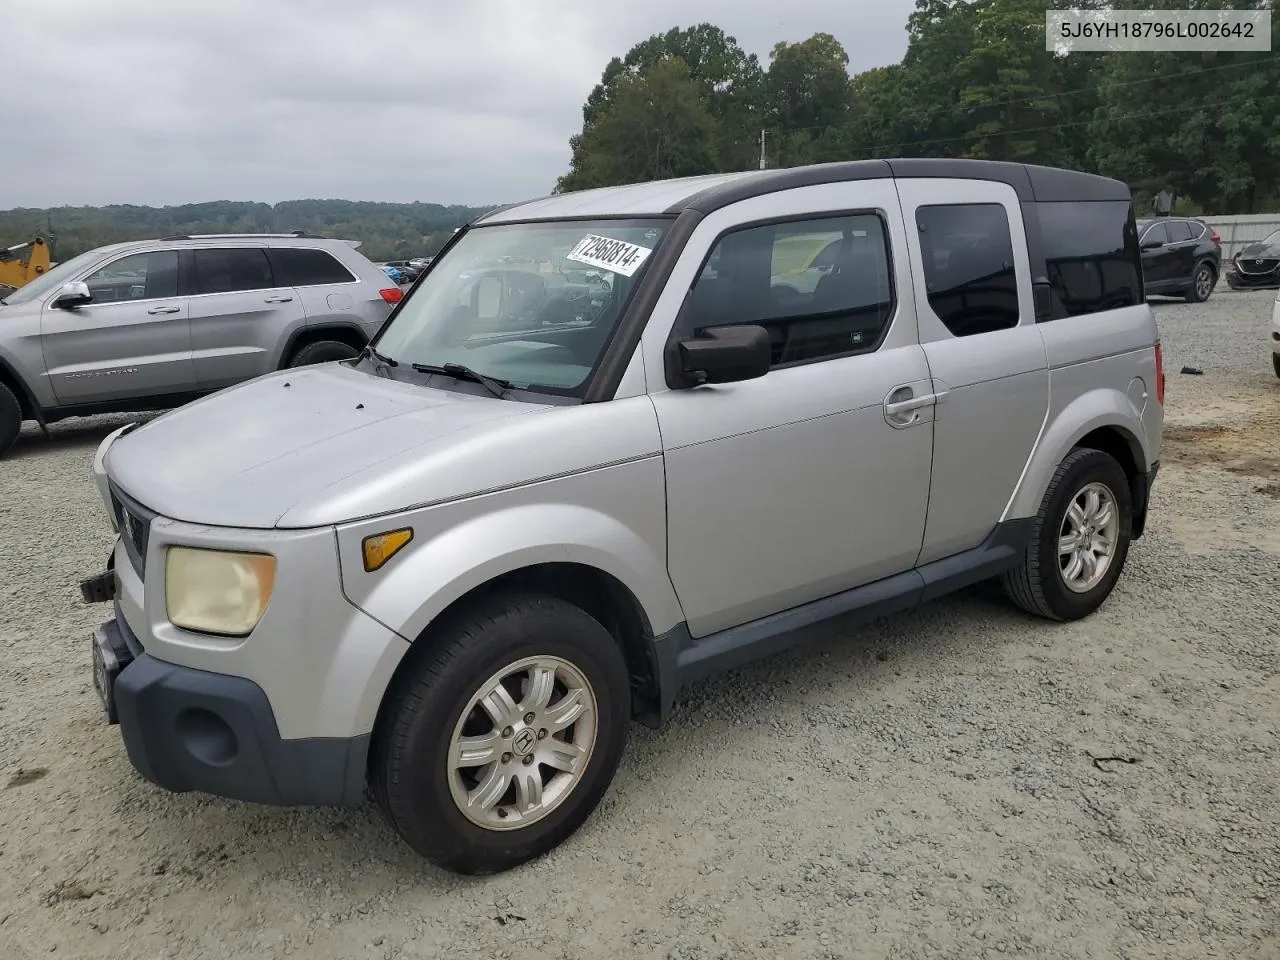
(502, 731)
(522, 743)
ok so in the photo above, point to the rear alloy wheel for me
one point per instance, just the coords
(503, 734)
(1079, 541)
(1202, 282)
(10, 419)
(325, 351)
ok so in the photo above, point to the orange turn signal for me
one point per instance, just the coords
(381, 547)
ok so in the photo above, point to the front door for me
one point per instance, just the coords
(132, 340)
(986, 355)
(813, 479)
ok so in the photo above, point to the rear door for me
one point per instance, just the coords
(133, 340)
(987, 359)
(240, 314)
(1157, 258)
(1181, 249)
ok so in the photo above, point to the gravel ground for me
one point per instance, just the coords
(934, 785)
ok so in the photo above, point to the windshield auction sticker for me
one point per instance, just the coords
(617, 256)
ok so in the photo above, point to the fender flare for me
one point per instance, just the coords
(446, 565)
(1095, 410)
(306, 330)
(25, 392)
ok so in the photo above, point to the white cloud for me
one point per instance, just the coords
(143, 101)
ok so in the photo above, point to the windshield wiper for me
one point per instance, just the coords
(369, 352)
(494, 385)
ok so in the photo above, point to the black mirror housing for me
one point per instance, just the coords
(725, 354)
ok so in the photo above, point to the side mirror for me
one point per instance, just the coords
(726, 354)
(1151, 244)
(73, 295)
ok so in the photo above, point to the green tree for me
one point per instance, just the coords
(658, 124)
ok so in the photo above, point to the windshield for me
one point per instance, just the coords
(528, 303)
(1272, 239)
(48, 282)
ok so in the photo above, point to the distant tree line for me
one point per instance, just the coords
(976, 81)
(387, 231)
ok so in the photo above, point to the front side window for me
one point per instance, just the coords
(1091, 256)
(52, 279)
(141, 276)
(820, 287)
(533, 304)
(968, 266)
(231, 269)
(1157, 236)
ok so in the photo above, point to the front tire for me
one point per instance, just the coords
(1202, 283)
(1080, 539)
(1275, 363)
(325, 351)
(10, 419)
(501, 739)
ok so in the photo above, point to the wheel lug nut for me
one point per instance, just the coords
(507, 731)
(529, 718)
(542, 734)
(528, 760)
(506, 758)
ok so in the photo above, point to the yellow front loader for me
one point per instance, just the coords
(21, 264)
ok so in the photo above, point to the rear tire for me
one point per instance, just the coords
(1203, 280)
(446, 766)
(1275, 363)
(324, 351)
(10, 419)
(1051, 582)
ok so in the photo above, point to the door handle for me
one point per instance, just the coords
(906, 406)
(155, 310)
(279, 299)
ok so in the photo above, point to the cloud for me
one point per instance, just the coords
(142, 101)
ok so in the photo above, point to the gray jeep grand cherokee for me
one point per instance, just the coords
(152, 324)
(614, 441)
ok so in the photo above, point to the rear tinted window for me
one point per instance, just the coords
(1091, 252)
(968, 266)
(231, 269)
(297, 267)
(1179, 230)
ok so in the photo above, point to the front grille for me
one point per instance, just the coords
(1257, 265)
(134, 521)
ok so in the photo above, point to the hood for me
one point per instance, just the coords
(1260, 251)
(248, 455)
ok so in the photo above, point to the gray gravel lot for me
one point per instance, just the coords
(928, 786)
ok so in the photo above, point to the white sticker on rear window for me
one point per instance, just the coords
(617, 256)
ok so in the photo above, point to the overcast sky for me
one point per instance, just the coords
(473, 101)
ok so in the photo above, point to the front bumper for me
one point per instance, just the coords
(1239, 280)
(186, 729)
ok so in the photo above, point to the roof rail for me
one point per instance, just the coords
(224, 236)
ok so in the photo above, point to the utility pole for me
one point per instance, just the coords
(762, 148)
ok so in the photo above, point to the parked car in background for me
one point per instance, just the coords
(421, 263)
(393, 272)
(457, 568)
(152, 324)
(1181, 257)
(1257, 266)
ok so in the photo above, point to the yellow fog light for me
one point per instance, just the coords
(381, 547)
(217, 591)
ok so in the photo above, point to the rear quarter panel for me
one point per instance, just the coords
(1102, 373)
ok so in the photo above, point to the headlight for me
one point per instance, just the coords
(216, 591)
